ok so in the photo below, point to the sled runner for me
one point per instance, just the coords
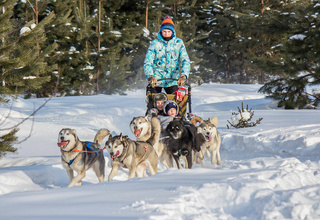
(182, 96)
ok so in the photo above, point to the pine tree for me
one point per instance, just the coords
(299, 60)
(30, 50)
(231, 41)
(241, 33)
(204, 48)
(70, 57)
(80, 78)
(6, 141)
(121, 38)
(6, 63)
(266, 29)
(222, 42)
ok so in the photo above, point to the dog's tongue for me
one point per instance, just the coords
(115, 155)
(63, 144)
(209, 137)
(137, 132)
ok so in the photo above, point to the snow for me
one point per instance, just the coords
(33, 25)
(297, 37)
(146, 32)
(271, 171)
(236, 118)
(29, 77)
(116, 33)
(24, 30)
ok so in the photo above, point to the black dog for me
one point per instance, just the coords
(183, 138)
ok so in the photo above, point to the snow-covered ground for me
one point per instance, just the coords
(271, 171)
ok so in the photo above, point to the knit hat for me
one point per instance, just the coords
(169, 105)
(167, 24)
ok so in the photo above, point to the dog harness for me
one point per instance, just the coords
(71, 161)
(144, 146)
(140, 143)
(143, 150)
(93, 148)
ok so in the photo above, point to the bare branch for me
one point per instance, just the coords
(26, 138)
(6, 117)
(17, 125)
(244, 122)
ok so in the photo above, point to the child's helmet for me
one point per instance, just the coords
(160, 97)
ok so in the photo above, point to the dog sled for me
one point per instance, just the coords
(182, 96)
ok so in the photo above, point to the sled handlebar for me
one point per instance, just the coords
(158, 80)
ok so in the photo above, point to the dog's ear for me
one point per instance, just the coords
(214, 121)
(120, 136)
(110, 136)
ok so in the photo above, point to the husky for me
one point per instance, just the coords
(213, 140)
(136, 156)
(79, 156)
(183, 140)
(149, 130)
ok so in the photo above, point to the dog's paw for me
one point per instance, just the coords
(184, 152)
(176, 153)
(75, 184)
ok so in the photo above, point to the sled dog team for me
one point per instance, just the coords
(181, 139)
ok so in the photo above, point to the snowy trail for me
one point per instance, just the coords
(271, 171)
(264, 187)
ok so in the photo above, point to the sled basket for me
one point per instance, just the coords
(182, 96)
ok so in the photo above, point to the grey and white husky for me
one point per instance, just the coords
(136, 156)
(213, 140)
(79, 156)
(149, 130)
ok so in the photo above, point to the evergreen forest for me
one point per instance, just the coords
(85, 47)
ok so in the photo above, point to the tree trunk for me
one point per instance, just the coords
(147, 12)
(99, 41)
(241, 77)
(55, 90)
(227, 71)
(262, 77)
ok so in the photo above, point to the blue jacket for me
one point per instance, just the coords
(163, 60)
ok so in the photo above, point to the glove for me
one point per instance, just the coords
(182, 80)
(152, 81)
(153, 112)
